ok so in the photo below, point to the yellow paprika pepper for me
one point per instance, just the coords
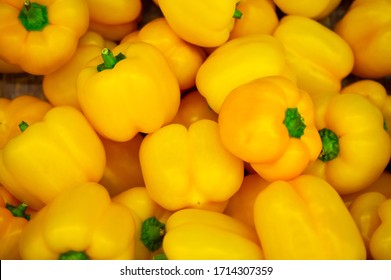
(80, 223)
(202, 23)
(356, 148)
(307, 8)
(122, 170)
(149, 219)
(376, 93)
(305, 218)
(366, 27)
(196, 234)
(183, 57)
(381, 185)
(193, 107)
(58, 152)
(41, 36)
(238, 62)
(269, 123)
(364, 210)
(380, 244)
(240, 205)
(189, 167)
(319, 56)
(22, 108)
(59, 87)
(13, 219)
(260, 17)
(128, 90)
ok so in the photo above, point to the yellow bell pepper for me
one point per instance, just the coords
(269, 123)
(356, 148)
(381, 185)
(193, 107)
(308, 8)
(377, 94)
(13, 219)
(364, 210)
(183, 57)
(80, 223)
(122, 170)
(196, 234)
(238, 62)
(366, 27)
(7, 68)
(380, 244)
(51, 155)
(59, 87)
(41, 36)
(305, 218)
(149, 219)
(319, 57)
(189, 167)
(260, 17)
(128, 90)
(22, 108)
(202, 23)
(240, 205)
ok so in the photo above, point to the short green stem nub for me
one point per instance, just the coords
(18, 211)
(152, 233)
(109, 60)
(161, 256)
(237, 14)
(23, 126)
(33, 16)
(330, 145)
(73, 255)
(294, 123)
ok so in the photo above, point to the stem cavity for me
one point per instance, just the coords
(294, 123)
(33, 16)
(330, 145)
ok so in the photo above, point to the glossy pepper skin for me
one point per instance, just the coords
(143, 207)
(260, 17)
(192, 165)
(135, 92)
(356, 148)
(193, 107)
(30, 35)
(319, 56)
(122, 170)
(59, 87)
(202, 23)
(269, 123)
(366, 27)
(305, 218)
(364, 210)
(80, 223)
(13, 219)
(195, 234)
(183, 57)
(377, 94)
(238, 62)
(380, 244)
(307, 8)
(59, 152)
(22, 108)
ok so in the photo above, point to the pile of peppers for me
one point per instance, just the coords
(209, 129)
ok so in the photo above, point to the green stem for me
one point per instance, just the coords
(73, 255)
(18, 211)
(23, 126)
(330, 145)
(109, 60)
(237, 14)
(152, 233)
(33, 16)
(294, 123)
(161, 256)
